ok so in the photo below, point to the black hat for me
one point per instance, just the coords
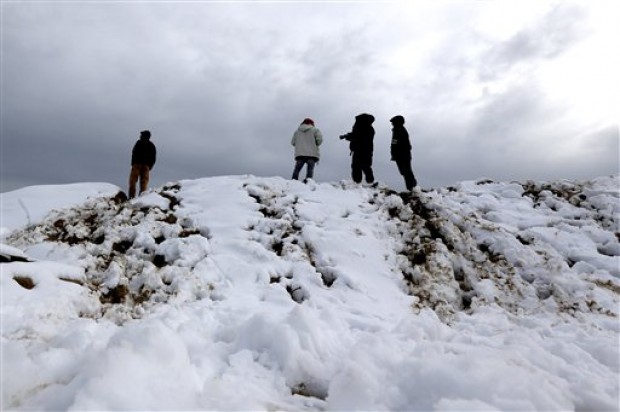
(145, 133)
(398, 119)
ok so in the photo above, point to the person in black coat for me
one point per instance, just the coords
(143, 158)
(400, 150)
(361, 144)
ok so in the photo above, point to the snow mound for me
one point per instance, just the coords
(245, 293)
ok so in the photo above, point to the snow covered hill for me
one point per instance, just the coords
(246, 293)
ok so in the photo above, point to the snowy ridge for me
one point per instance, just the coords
(245, 293)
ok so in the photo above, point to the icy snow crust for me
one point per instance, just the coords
(245, 293)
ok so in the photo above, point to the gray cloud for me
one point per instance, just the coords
(557, 32)
(223, 86)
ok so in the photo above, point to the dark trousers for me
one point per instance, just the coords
(362, 163)
(404, 167)
(299, 164)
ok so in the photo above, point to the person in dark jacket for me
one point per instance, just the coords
(361, 144)
(143, 158)
(400, 150)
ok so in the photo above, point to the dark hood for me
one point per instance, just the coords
(365, 118)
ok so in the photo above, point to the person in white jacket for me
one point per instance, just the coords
(306, 140)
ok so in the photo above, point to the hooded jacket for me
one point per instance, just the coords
(307, 140)
(362, 134)
(400, 148)
(144, 152)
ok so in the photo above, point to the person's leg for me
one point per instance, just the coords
(370, 176)
(356, 168)
(412, 179)
(299, 163)
(404, 167)
(311, 162)
(133, 179)
(144, 178)
(367, 168)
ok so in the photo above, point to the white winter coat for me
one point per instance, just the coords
(307, 140)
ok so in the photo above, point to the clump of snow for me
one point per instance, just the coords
(245, 293)
(10, 254)
(29, 205)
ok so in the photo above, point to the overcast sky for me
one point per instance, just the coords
(499, 89)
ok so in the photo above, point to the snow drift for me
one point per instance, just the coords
(246, 293)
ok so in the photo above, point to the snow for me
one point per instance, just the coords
(248, 293)
(9, 252)
(30, 204)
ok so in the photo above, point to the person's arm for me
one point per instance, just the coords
(318, 137)
(394, 146)
(153, 158)
(406, 139)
